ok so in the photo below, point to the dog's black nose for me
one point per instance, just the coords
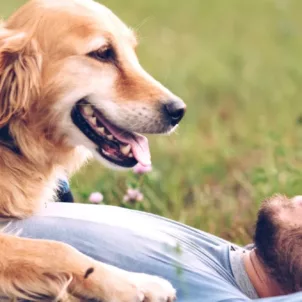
(176, 110)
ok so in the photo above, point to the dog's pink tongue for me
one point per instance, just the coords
(140, 149)
(139, 143)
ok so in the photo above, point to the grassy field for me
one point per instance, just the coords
(238, 66)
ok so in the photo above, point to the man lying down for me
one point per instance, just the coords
(201, 267)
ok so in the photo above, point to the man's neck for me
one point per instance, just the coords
(264, 284)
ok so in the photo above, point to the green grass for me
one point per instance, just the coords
(238, 66)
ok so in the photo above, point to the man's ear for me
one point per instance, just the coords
(20, 73)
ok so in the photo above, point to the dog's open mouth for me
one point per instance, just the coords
(118, 146)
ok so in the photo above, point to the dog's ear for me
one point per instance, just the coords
(20, 73)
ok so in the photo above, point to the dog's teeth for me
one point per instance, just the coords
(125, 149)
(110, 137)
(92, 120)
(101, 130)
(88, 110)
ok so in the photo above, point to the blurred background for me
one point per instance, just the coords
(238, 66)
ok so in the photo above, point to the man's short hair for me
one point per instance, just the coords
(279, 244)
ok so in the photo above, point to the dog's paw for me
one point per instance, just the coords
(153, 289)
(123, 286)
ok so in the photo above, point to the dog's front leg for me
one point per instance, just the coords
(52, 271)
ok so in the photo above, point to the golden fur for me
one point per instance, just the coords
(44, 70)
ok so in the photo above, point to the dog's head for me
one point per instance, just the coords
(69, 73)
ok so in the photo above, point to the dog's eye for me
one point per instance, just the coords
(104, 55)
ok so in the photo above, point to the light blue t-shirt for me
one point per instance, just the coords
(196, 263)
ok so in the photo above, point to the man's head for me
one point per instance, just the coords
(278, 240)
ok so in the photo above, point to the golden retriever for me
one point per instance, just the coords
(70, 82)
